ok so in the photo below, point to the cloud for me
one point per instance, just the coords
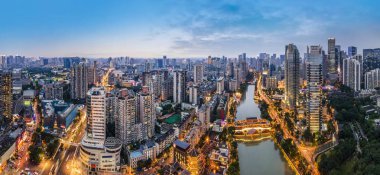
(187, 28)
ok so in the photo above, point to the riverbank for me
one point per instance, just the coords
(258, 155)
(233, 166)
(290, 151)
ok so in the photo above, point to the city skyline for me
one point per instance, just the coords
(182, 28)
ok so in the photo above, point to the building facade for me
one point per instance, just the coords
(351, 73)
(97, 153)
(292, 75)
(198, 73)
(126, 118)
(147, 114)
(220, 85)
(372, 79)
(314, 89)
(193, 95)
(179, 86)
(78, 81)
(332, 71)
(6, 94)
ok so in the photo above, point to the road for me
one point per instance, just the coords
(306, 152)
(67, 155)
(104, 80)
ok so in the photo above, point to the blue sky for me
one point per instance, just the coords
(182, 28)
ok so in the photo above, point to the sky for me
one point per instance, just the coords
(182, 28)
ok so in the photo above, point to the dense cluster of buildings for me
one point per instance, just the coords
(145, 106)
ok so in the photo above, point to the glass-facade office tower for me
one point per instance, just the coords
(314, 91)
(292, 75)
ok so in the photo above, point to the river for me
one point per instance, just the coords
(258, 157)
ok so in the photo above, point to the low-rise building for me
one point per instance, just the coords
(100, 156)
(271, 82)
(188, 157)
(221, 154)
(53, 91)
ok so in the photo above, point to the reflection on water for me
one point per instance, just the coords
(248, 107)
(258, 157)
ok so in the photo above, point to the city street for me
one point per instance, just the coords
(307, 152)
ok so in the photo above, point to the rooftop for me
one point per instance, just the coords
(181, 144)
(136, 154)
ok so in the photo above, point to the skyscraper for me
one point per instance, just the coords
(92, 75)
(314, 91)
(78, 81)
(292, 75)
(165, 63)
(198, 73)
(167, 87)
(147, 113)
(179, 86)
(193, 95)
(220, 85)
(126, 117)
(371, 59)
(351, 73)
(342, 55)
(372, 79)
(360, 59)
(352, 50)
(5, 94)
(331, 59)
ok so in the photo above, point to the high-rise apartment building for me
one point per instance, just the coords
(167, 88)
(361, 61)
(5, 94)
(126, 117)
(372, 79)
(193, 95)
(96, 113)
(314, 88)
(97, 153)
(292, 75)
(111, 108)
(179, 86)
(92, 75)
(220, 85)
(341, 55)
(147, 114)
(53, 91)
(79, 81)
(351, 73)
(198, 73)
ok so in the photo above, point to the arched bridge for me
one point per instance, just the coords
(252, 126)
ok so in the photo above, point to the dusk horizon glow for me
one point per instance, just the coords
(182, 29)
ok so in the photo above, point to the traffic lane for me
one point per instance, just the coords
(65, 166)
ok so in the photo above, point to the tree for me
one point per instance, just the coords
(307, 135)
(233, 169)
(35, 154)
(51, 147)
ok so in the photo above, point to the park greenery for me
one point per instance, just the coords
(345, 158)
(263, 106)
(42, 143)
(167, 109)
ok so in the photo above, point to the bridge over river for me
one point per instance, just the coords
(252, 126)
